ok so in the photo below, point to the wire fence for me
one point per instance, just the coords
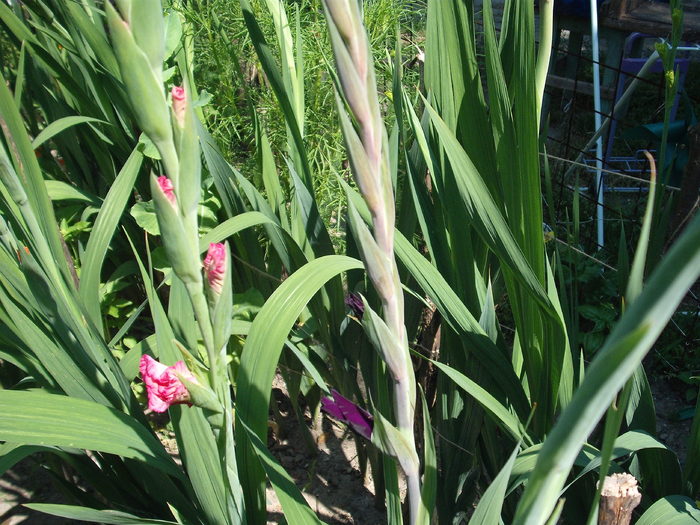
(572, 173)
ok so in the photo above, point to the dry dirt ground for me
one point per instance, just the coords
(330, 477)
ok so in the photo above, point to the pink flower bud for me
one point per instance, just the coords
(179, 104)
(166, 185)
(215, 266)
(162, 385)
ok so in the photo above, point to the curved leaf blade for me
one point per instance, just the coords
(94, 515)
(60, 125)
(36, 418)
(671, 510)
(105, 224)
(295, 508)
(261, 353)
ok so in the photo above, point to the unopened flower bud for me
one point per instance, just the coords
(215, 266)
(179, 104)
(166, 186)
(354, 302)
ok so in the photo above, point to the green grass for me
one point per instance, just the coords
(227, 68)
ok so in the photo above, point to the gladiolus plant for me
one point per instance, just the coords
(434, 304)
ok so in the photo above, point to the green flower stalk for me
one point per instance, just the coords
(177, 242)
(139, 45)
(138, 34)
(367, 145)
(184, 260)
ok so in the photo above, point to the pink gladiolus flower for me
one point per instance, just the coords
(162, 385)
(179, 104)
(166, 185)
(215, 266)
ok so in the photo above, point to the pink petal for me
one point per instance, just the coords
(215, 266)
(166, 186)
(179, 104)
(162, 385)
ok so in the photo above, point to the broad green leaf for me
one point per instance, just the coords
(488, 512)
(671, 510)
(430, 471)
(13, 453)
(61, 191)
(221, 172)
(173, 33)
(315, 232)
(105, 225)
(636, 276)
(271, 180)
(691, 473)
(288, 252)
(94, 34)
(285, 98)
(71, 372)
(261, 354)
(491, 224)
(16, 26)
(627, 443)
(94, 515)
(295, 508)
(21, 66)
(130, 362)
(32, 183)
(452, 74)
(145, 216)
(58, 126)
(37, 418)
(501, 415)
(309, 366)
(232, 226)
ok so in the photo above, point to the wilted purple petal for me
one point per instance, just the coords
(354, 302)
(331, 408)
(344, 410)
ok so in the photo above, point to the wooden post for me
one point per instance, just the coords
(618, 499)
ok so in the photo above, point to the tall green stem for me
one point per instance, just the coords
(201, 313)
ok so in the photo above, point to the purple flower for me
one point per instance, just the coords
(342, 409)
(354, 302)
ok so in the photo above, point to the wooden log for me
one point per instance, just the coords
(618, 499)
